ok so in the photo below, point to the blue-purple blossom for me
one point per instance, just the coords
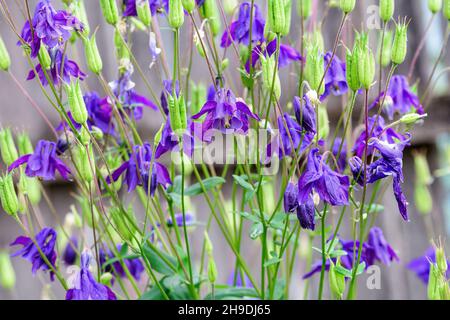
(85, 286)
(134, 265)
(190, 220)
(61, 69)
(379, 248)
(305, 114)
(170, 141)
(331, 186)
(43, 163)
(51, 27)
(45, 240)
(225, 113)
(335, 78)
(239, 30)
(70, 255)
(421, 266)
(305, 211)
(399, 98)
(137, 171)
(156, 6)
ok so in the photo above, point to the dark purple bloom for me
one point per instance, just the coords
(225, 113)
(421, 266)
(401, 96)
(340, 152)
(51, 27)
(305, 114)
(190, 220)
(239, 30)
(70, 254)
(169, 141)
(305, 212)
(357, 169)
(85, 287)
(137, 171)
(335, 78)
(331, 186)
(379, 247)
(61, 69)
(43, 163)
(45, 241)
(290, 198)
(134, 266)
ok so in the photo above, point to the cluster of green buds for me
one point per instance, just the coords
(8, 148)
(93, 58)
(177, 113)
(7, 273)
(347, 6)
(400, 45)
(336, 280)
(385, 48)
(212, 268)
(210, 11)
(76, 102)
(277, 19)
(366, 64)
(110, 11)
(271, 79)
(8, 195)
(304, 8)
(422, 193)
(315, 38)
(438, 286)
(44, 57)
(387, 8)
(5, 59)
(314, 69)
(176, 14)
(435, 6)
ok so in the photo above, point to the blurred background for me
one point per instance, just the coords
(410, 239)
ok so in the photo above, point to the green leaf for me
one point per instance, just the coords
(256, 230)
(361, 268)
(338, 253)
(209, 183)
(232, 293)
(243, 182)
(250, 217)
(161, 265)
(343, 271)
(271, 262)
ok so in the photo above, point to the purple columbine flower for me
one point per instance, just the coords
(61, 69)
(239, 30)
(190, 220)
(305, 212)
(169, 141)
(421, 266)
(225, 113)
(340, 152)
(51, 27)
(399, 98)
(156, 6)
(331, 186)
(85, 286)
(137, 171)
(43, 163)
(335, 78)
(305, 114)
(357, 168)
(130, 100)
(379, 247)
(70, 254)
(134, 265)
(45, 240)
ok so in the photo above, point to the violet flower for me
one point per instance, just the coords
(331, 186)
(401, 96)
(45, 241)
(190, 220)
(225, 113)
(70, 254)
(137, 171)
(169, 141)
(421, 266)
(335, 78)
(305, 212)
(379, 247)
(305, 114)
(85, 286)
(43, 163)
(239, 30)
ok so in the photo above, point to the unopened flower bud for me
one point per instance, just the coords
(435, 6)
(387, 8)
(210, 11)
(224, 65)
(7, 274)
(189, 5)
(44, 58)
(144, 12)
(337, 281)
(441, 260)
(423, 199)
(177, 113)
(271, 79)
(93, 58)
(76, 102)
(5, 59)
(446, 9)
(366, 67)
(304, 8)
(229, 6)
(313, 97)
(277, 16)
(352, 69)
(7, 147)
(347, 6)
(106, 279)
(400, 46)
(314, 69)
(412, 118)
(212, 270)
(8, 195)
(387, 49)
(198, 98)
(324, 122)
(110, 11)
(176, 14)
(287, 15)
(423, 174)
(208, 245)
(83, 158)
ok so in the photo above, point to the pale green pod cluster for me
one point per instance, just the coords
(189, 5)
(7, 273)
(386, 53)
(93, 58)
(352, 69)
(315, 69)
(210, 11)
(387, 8)
(304, 8)
(8, 195)
(76, 102)
(271, 79)
(144, 12)
(5, 59)
(83, 158)
(7, 147)
(435, 6)
(400, 45)
(110, 11)
(176, 14)
(366, 67)
(44, 58)
(177, 113)
(276, 16)
(347, 6)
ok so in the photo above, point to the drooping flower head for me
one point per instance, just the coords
(335, 78)
(169, 140)
(134, 265)
(70, 254)
(318, 176)
(225, 113)
(379, 248)
(399, 98)
(305, 114)
(137, 171)
(305, 212)
(45, 240)
(85, 286)
(239, 30)
(43, 163)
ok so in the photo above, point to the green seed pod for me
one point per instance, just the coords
(44, 58)
(304, 8)
(336, 281)
(106, 278)
(441, 260)
(387, 8)
(122, 222)
(400, 46)
(93, 58)
(352, 70)
(5, 59)
(277, 16)
(174, 113)
(315, 69)
(33, 190)
(7, 274)
(366, 67)
(8, 195)
(79, 11)
(423, 174)
(189, 5)
(121, 49)
(224, 64)
(158, 135)
(176, 14)
(84, 162)
(446, 9)
(288, 15)
(229, 6)
(76, 102)
(183, 114)
(387, 49)
(24, 143)
(268, 68)
(7, 147)
(435, 6)
(347, 6)
(212, 270)
(143, 12)
(198, 97)
(324, 122)
(110, 11)
(423, 199)
(433, 281)
(210, 11)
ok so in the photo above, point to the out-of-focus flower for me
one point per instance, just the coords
(169, 141)
(305, 114)
(335, 78)
(421, 266)
(70, 254)
(45, 241)
(379, 247)
(156, 6)
(340, 152)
